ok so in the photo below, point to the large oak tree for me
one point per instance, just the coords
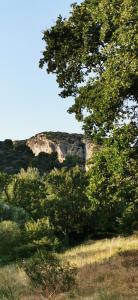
(93, 53)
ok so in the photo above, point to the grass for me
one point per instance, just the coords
(12, 282)
(107, 270)
(99, 251)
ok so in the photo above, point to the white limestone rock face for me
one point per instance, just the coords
(90, 148)
(64, 144)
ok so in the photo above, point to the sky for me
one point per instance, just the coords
(29, 101)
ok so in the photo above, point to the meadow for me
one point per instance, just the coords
(107, 269)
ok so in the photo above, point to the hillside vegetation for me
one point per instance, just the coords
(66, 233)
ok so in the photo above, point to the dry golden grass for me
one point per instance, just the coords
(107, 270)
(116, 278)
(99, 251)
(15, 285)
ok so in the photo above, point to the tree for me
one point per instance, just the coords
(67, 204)
(27, 190)
(45, 162)
(113, 184)
(94, 56)
(72, 161)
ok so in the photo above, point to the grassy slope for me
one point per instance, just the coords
(107, 270)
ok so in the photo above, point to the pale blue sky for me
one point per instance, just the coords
(29, 101)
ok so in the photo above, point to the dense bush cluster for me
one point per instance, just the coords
(48, 272)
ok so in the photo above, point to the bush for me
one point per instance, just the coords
(48, 273)
(35, 230)
(10, 236)
(36, 235)
(15, 214)
(41, 234)
(128, 221)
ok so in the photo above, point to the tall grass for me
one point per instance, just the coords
(13, 282)
(99, 251)
(107, 270)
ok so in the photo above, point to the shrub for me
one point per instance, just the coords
(15, 214)
(10, 236)
(36, 235)
(35, 230)
(48, 272)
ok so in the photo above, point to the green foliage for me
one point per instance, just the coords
(72, 161)
(4, 181)
(46, 271)
(16, 156)
(113, 183)
(67, 204)
(45, 162)
(37, 229)
(128, 222)
(94, 56)
(10, 237)
(27, 190)
(41, 234)
(23, 241)
(16, 214)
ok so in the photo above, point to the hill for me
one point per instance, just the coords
(44, 151)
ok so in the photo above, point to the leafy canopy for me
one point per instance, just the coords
(27, 190)
(94, 56)
(113, 184)
(67, 204)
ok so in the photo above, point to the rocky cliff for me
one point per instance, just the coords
(45, 151)
(64, 144)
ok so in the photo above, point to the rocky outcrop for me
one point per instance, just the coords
(45, 151)
(64, 144)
